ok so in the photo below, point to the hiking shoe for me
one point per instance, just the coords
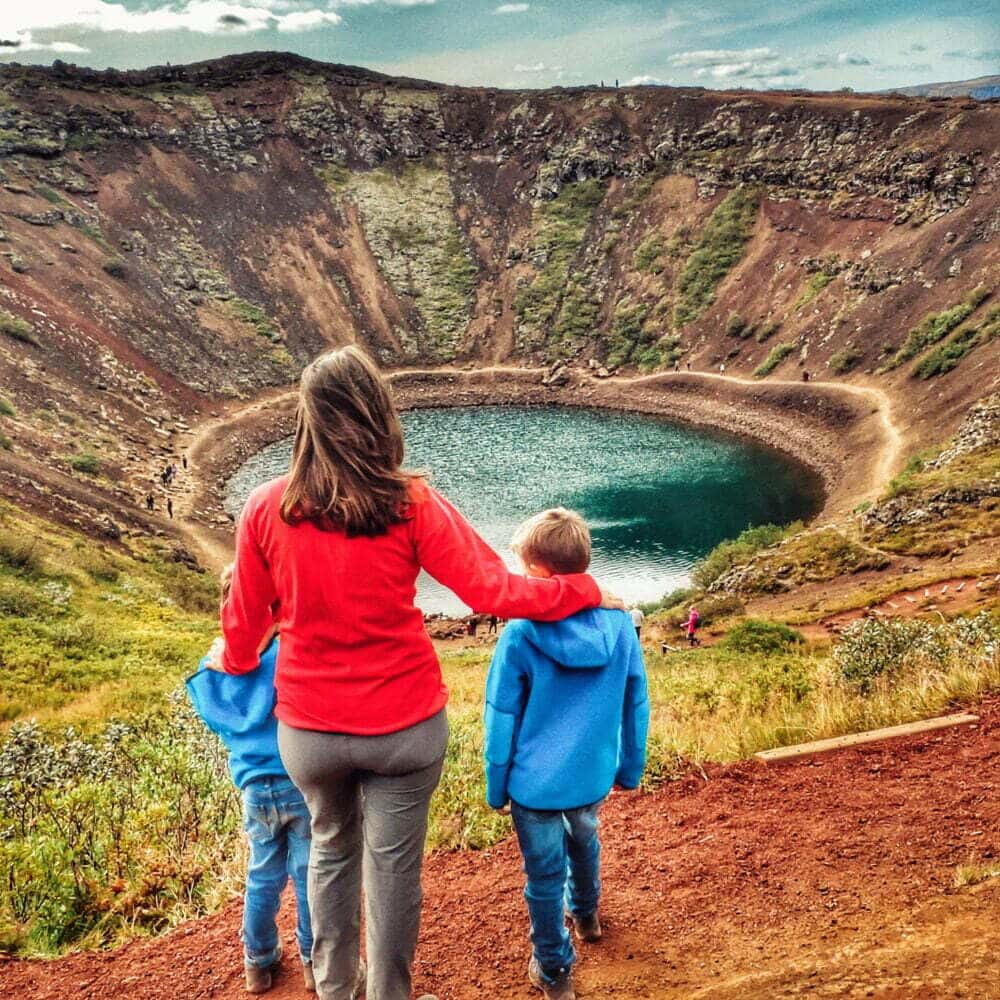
(359, 984)
(588, 928)
(258, 979)
(309, 978)
(561, 988)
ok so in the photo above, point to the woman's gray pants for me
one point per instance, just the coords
(369, 797)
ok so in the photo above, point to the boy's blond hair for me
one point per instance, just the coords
(557, 539)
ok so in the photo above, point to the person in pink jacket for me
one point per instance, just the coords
(691, 626)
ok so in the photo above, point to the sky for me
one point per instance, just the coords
(818, 44)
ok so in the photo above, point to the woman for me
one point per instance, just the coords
(336, 547)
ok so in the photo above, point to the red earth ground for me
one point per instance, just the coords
(832, 876)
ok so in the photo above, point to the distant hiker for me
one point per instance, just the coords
(241, 710)
(492, 627)
(170, 508)
(616, 83)
(637, 619)
(805, 376)
(691, 626)
(338, 544)
(471, 625)
(150, 502)
(722, 369)
(165, 476)
(566, 719)
(689, 366)
(184, 461)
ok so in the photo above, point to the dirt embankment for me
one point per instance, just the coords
(844, 433)
(830, 877)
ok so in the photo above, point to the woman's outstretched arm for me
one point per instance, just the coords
(449, 548)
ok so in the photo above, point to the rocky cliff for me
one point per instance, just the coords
(182, 235)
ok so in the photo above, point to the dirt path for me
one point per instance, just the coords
(830, 877)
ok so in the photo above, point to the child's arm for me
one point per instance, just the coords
(635, 717)
(506, 696)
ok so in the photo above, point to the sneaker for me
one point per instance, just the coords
(561, 988)
(588, 928)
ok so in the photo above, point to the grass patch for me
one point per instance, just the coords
(6, 444)
(775, 356)
(844, 360)
(6, 408)
(935, 327)
(814, 284)
(647, 254)
(765, 331)
(976, 873)
(727, 554)
(253, 316)
(17, 328)
(947, 356)
(560, 225)
(720, 248)
(755, 636)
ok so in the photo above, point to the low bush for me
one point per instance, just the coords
(777, 354)
(766, 331)
(844, 360)
(86, 462)
(6, 409)
(115, 267)
(755, 636)
(947, 356)
(17, 328)
(647, 254)
(738, 550)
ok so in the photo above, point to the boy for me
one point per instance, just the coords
(566, 719)
(240, 708)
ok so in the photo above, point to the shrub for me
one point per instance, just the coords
(943, 359)
(755, 636)
(647, 254)
(116, 267)
(813, 286)
(736, 326)
(844, 360)
(777, 354)
(5, 442)
(86, 462)
(6, 409)
(17, 328)
(720, 248)
(19, 553)
(873, 648)
(727, 554)
(767, 330)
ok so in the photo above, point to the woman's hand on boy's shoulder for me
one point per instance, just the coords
(612, 601)
(504, 810)
(213, 661)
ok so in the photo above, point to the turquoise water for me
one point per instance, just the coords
(658, 495)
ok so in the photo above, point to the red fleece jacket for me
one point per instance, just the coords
(354, 655)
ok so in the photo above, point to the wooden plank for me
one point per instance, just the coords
(857, 739)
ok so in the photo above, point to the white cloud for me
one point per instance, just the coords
(25, 42)
(207, 17)
(723, 57)
(538, 67)
(645, 81)
(512, 8)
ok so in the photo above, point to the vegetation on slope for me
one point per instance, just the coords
(775, 356)
(948, 355)
(719, 249)
(559, 229)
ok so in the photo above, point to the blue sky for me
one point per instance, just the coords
(821, 44)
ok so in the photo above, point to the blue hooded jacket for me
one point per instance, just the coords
(240, 708)
(567, 711)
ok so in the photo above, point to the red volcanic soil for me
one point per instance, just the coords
(833, 876)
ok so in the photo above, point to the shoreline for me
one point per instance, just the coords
(843, 433)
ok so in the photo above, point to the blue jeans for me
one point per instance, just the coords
(562, 862)
(276, 821)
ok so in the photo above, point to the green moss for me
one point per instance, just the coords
(559, 228)
(947, 356)
(934, 327)
(252, 315)
(777, 354)
(647, 254)
(52, 197)
(17, 328)
(720, 248)
(813, 286)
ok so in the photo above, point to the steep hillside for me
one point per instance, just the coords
(183, 236)
(982, 88)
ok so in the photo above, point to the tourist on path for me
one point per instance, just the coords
(492, 627)
(691, 626)
(170, 508)
(150, 502)
(637, 619)
(337, 544)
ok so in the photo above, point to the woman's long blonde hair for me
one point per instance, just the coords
(348, 450)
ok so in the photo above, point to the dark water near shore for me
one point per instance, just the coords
(658, 495)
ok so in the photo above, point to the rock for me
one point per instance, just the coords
(18, 265)
(956, 268)
(68, 247)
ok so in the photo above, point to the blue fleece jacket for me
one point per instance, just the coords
(240, 708)
(566, 711)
